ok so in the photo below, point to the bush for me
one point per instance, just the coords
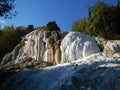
(52, 26)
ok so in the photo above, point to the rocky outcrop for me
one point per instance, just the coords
(7, 58)
(76, 45)
(88, 70)
(112, 47)
(101, 43)
(52, 47)
(109, 47)
(40, 45)
(96, 72)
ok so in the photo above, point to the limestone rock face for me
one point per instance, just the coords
(7, 58)
(76, 45)
(101, 41)
(96, 72)
(41, 45)
(112, 47)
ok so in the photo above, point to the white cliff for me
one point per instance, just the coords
(76, 45)
(40, 45)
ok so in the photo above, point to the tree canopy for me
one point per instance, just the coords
(103, 21)
(52, 26)
(6, 7)
(29, 29)
(79, 26)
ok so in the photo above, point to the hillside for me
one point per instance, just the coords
(76, 59)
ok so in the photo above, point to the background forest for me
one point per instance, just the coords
(103, 21)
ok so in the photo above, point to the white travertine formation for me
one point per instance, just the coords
(112, 46)
(42, 45)
(95, 72)
(76, 45)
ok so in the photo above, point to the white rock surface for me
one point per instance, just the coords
(42, 45)
(95, 72)
(112, 46)
(76, 45)
(32, 46)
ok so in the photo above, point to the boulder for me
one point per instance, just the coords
(76, 45)
(112, 47)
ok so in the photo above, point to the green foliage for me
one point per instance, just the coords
(9, 38)
(6, 6)
(118, 3)
(20, 30)
(79, 26)
(42, 28)
(29, 29)
(95, 21)
(0, 31)
(52, 26)
(103, 21)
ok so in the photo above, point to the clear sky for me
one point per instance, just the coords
(40, 12)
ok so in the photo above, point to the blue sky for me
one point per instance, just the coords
(40, 12)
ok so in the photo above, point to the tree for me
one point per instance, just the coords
(118, 3)
(96, 21)
(104, 21)
(29, 29)
(0, 32)
(6, 7)
(89, 10)
(20, 31)
(52, 26)
(79, 26)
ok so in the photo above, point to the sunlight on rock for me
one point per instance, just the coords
(76, 45)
